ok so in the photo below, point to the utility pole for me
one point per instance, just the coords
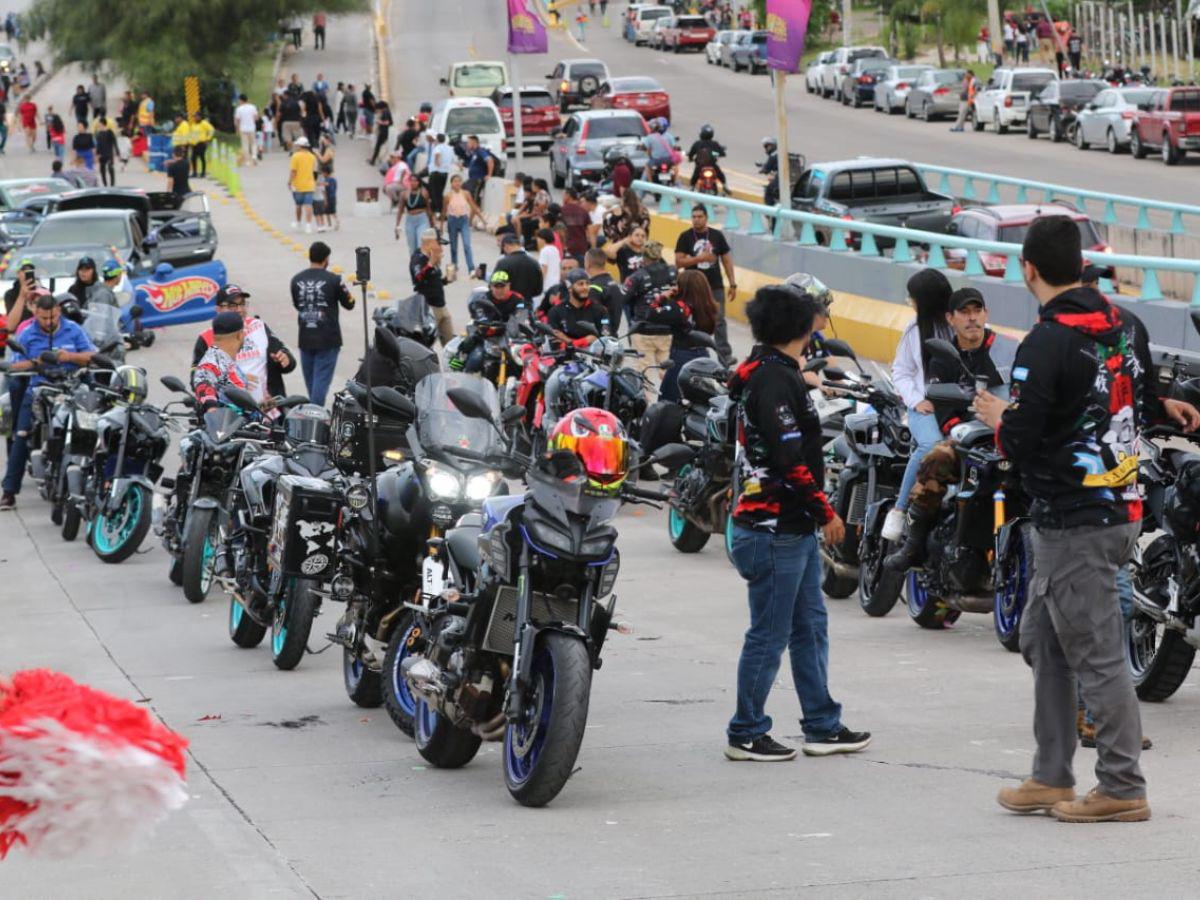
(996, 31)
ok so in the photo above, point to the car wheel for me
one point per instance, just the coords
(1136, 147)
(1110, 140)
(890, 110)
(926, 115)
(1170, 155)
(908, 113)
(1030, 128)
(1055, 131)
(1000, 129)
(1077, 137)
(977, 123)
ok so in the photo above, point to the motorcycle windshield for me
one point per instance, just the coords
(102, 323)
(440, 426)
(411, 315)
(221, 422)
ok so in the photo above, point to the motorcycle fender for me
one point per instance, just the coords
(874, 512)
(75, 480)
(120, 487)
(1005, 536)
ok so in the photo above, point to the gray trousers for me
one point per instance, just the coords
(721, 335)
(1071, 629)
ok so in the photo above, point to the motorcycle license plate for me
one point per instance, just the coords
(433, 579)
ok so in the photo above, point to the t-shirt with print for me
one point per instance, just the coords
(303, 166)
(316, 295)
(693, 244)
(628, 262)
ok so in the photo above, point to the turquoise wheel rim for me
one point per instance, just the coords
(675, 520)
(279, 627)
(236, 612)
(111, 532)
(729, 534)
(207, 556)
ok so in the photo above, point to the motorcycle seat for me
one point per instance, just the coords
(463, 544)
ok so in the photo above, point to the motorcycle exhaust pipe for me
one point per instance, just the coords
(840, 569)
(491, 730)
(1152, 610)
(424, 677)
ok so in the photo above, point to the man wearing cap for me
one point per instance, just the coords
(316, 294)
(604, 287)
(428, 281)
(217, 370)
(939, 467)
(263, 358)
(522, 269)
(18, 299)
(302, 182)
(104, 292)
(49, 332)
(650, 285)
(580, 310)
(501, 294)
(85, 280)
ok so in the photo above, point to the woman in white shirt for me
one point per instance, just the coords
(929, 294)
(549, 259)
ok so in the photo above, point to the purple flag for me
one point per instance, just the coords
(787, 22)
(526, 33)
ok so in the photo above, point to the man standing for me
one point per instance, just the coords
(428, 281)
(1082, 386)
(966, 96)
(80, 104)
(145, 114)
(290, 114)
(577, 221)
(246, 119)
(480, 166)
(441, 164)
(302, 182)
(177, 173)
(202, 135)
(316, 294)
(653, 283)
(348, 114)
(775, 548)
(383, 122)
(98, 97)
(706, 249)
(49, 333)
(1075, 51)
(318, 30)
(522, 269)
(263, 358)
(605, 289)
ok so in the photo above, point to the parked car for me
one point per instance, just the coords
(812, 74)
(475, 78)
(1108, 119)
(726, 58)
(688, 31)
(892, 87)
(578, 152)
(644, 19)
(935, 94)
(1170, 125)
(636, 92)
(55, 268)
(458, 117)
(539, 115)
(1008, 224)
(1053, 111)
(79, 232)
(8, 60)
(749, 52)
(712, 50)
(15, 191)
(1004, 100)
(655, 40)
(839, 65)
(574, 81)
(858, 85)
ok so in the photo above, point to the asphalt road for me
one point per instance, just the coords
(297, 793)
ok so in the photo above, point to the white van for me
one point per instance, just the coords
(475, 78)
(460, 117)
(644, 20)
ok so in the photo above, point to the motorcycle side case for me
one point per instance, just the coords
(350, 442)
(304, 526)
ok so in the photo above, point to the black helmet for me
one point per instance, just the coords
(706, 132)
(481, 309)
(613, 155)
(701, 379)
(307, 424)
(130, 382)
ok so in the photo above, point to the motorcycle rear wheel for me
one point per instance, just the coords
(243, 630)
(132, 522)
(835, 586)
(540, 753)
(363, 685)
(199, 554)
(1158, 657)
(292, 623)
(925, 609)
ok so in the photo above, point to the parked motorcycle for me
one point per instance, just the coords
(408, 317)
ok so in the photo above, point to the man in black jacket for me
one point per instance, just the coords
(1082, 388)
(605, 289)
(779, 509)
(647, 289)
(523, 270)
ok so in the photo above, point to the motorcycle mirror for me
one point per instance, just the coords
(698, 339)
(949, 393)
(815, 365)
(291, 400)
(672, 456)
(946, 352)
(470, 404)
(836, 347)
(514, 413)
(387, 345)
(171, 383)
(393, 402)
(241, 399)
(1194, 314)
(100, 361)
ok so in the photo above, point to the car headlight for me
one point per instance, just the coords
(481, 485)
(443, 483)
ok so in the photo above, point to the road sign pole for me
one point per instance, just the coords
(996, 32)
(785, 169)
(845, 23)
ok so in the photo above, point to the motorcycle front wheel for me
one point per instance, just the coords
(877, 594)
(686, 536)
(292, 623)
(397, 698)
(540, 750)
(116, 537)
(200, 536)
(1012, 587)
(72, 519)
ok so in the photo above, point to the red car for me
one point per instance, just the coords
(539, 115)
(687, 31)
(636, 92)
(1009, 225)
(1171, 125)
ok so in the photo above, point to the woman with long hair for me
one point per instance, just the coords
(626, 217)
(929, 295)
(699, 313)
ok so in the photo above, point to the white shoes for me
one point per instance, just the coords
(295, 225)
(894, 525)
(308, 229)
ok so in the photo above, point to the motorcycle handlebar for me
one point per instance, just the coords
(641, 494)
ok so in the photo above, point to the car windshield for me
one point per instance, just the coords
(1031, 81)
(615, 127)
(651, 14)
(528, 98)
(1015, 234)
(1080, 90)
(951, 77)
(864, 54)
(14, 195)
(581, 70)
(60, 231)
(1185, 101)
(692, 22)
(909, 72)
(52, 265)
(479, 76)
(1136, 98)
(439, 423)
(472, 120)
(634, 85)
(872, 65)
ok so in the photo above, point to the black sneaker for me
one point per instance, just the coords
(8, 501)
(764, 749)
(844, 741)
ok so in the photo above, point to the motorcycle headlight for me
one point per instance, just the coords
(443, 483)
(549, 538)
(481, 485)
(358, 497)
(85, 420)
(597, 547)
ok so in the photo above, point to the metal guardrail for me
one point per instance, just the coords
(985, 188)
(759, 214)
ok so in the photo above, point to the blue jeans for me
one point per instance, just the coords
(18, 453)
(414, 224)
(318, 366)
(787, 609)
(460, 228)
(925, 432)
(669, 389)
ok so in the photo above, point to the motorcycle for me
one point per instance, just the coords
(490, 345)
(87, 403)
(514, 659)
(408, 317)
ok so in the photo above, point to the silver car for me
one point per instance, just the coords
(935, 94)
(578, 151)
(891, 91)
(1108, 118)
(712, 50)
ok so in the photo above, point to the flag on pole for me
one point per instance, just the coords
(526, 33)
(787, 25)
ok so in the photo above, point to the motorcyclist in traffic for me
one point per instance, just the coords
(620, 169)
(566, 318)
(770, 168)
(218, 370)
(85, 280)
(704, 153)
(500, 291)
(660, 150)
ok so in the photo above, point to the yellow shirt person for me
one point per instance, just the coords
(182, 135)
(302, 178)
(202, 130)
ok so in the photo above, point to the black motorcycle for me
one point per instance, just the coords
(409, 318)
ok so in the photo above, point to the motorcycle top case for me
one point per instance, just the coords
(304, 526)
(350, 447)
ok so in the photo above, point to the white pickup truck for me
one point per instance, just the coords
(1004, 101)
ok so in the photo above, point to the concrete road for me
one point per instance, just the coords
(296, 792)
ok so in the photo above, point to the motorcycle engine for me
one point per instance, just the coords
(1160, 563)
(959, 569)
(693, 488)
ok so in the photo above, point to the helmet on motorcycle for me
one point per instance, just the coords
(701, 379)
(813, 286)
(307, 424)
(130, 383)
(597, 439)
(613, 155)
(481, 309)
(769, 144)
(706, 132)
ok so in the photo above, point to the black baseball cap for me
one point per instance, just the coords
(228, 322)
(85, 262)
(965, 297)
(231, 292)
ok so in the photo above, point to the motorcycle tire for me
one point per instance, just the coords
(685, 536)
(877, 594)
(292, 623)
(137, 513)
(72, 519)
(1160, 673)
(56, 514)
(243, 630)
(440, 743)
(199, 554)
(834, 586)
(363, 686)
(399, 701)
(1012, 589)
(925, 609)
(175, 573)
(540, 757)
(729, 536)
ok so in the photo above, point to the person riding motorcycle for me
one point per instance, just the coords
(500, 292)
(217, 370)
(770, 168)
(660, 149)
(704, 153)
(815, 288)
(620, 169)
(566, 318)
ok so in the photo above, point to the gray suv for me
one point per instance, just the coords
(578, 151)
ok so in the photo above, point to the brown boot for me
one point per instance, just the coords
(1033, 796)
(1098, 807)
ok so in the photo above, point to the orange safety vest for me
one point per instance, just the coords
(971, 90)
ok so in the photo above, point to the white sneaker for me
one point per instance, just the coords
(295, 225)
(894, 525)
(308, 229)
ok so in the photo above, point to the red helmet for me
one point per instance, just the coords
(597, 438)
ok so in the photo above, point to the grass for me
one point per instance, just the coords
(259, 86)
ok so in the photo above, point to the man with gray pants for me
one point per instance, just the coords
(1082, 387)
